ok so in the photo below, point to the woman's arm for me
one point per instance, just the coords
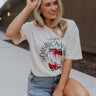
(13, 30)
(65, 73)
(59, 89)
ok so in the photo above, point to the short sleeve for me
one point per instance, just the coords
(73, 48)
(24, 33)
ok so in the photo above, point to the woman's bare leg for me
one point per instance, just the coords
(74, 88)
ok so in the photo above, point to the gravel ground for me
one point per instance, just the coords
(86, 65)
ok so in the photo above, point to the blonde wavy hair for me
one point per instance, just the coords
(61, 22)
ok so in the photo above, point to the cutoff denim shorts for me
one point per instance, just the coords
(41, 86)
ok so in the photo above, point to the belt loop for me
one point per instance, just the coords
(31, 72)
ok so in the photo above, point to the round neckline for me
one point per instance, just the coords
(49, 29)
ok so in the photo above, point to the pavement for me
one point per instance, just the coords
(15, 65)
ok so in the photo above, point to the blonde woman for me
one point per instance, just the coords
(54, 44)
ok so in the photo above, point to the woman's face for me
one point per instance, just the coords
(49, 9)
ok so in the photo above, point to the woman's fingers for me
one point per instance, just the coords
(32, 3)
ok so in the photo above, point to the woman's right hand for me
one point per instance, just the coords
(31, 4)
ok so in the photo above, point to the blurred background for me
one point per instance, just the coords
(83, 12)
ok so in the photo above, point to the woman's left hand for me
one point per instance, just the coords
(57, 91)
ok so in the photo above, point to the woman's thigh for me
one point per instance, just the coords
(41, 86)
(74, 88)
(37, 86)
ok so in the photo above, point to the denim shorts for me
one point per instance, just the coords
(41, 86)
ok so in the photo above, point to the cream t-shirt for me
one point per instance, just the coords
(47, 50)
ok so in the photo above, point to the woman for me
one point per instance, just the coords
(54, 44)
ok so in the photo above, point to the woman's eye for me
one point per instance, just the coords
(55, 3)
(48, 4)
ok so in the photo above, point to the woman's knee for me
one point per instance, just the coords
(82, 92)
(74, 88)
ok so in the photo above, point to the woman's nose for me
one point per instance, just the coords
(53, 7)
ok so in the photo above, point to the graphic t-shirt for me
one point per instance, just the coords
(48, 50)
